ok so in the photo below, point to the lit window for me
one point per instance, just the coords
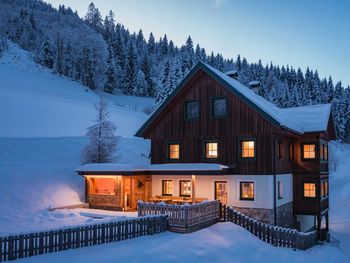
(102, 186)
(246, 190)
(309, 190)
(280, 190)
(219, 107)
(167, 187)
(248, 149)
(211, 150)
(309, 151)
(323, 151)
(174, 151)
(185, 188)
(192, 110)
(324, 188)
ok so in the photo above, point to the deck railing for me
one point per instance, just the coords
(31, 244)
(184, 218)
(277, 236)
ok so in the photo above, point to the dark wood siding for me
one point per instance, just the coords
(241, 122)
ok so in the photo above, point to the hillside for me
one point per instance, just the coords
(43, 122)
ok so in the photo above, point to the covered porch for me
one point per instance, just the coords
(121, 186)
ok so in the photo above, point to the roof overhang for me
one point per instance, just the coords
(154, 169)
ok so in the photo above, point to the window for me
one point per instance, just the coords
(323, 152)
(324, 188)
(173, 151)
(185, 188)
(102, 186)
(211, 150)
(309, 190)
(280, 190)
(247, 149)
(308, 151)
(247, 191)
(219, 107)
(167, 188)
(291, 151)
(192, 110)
(280, 150)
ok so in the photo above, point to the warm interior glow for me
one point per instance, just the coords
(309, 151)
(185, 188)
(309, 190)
(167, 187)
(211, 150)
(248, 149)
(102, 186)
(174, 151)
(247, 190)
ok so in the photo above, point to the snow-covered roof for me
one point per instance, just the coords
(254, 83)
(230, 72)
(299, 120)
(120, 167)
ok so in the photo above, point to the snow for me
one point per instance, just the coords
(110, 167)
(222, 242)
(254, 83)
(43, 119)
(314, 118)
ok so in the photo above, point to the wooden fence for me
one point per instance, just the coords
(277, 236)
(184, 218)
(27, 245)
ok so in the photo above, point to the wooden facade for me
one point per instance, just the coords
(277, 149)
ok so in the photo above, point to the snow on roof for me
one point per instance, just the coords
(299, 119)
(230, 72)
(254, 83)
(106, 167)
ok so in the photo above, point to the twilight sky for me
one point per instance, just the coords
(301, 33)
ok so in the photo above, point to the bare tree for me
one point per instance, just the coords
(103, 141)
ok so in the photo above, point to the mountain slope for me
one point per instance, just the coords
(43, 120)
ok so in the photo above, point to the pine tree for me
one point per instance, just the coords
(93, 18)
(130, 71)
(68, 64)
(146, 69)
(151, 45)
(110, 74)
(46, 55)
(103, 141)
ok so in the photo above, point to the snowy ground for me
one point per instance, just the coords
(42, 122)
(223, 242)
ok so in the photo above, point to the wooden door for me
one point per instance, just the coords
(221, 193)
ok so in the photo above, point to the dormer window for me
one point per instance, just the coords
(192, 110)
(219, 107)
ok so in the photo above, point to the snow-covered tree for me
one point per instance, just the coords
(103, 141)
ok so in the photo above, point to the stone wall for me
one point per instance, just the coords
(284, 214)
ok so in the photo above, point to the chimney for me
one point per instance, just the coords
(232, 74)
(255, 86)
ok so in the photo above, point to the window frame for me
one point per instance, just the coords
(212, 99)
(185, 111)
(168, 151)
(302, 152)
(303, 190)
(180, 192)
(323, 152)
(172, 187)
(240, 149)
(241, 198)
(205, 149)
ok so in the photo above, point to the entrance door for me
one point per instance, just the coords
(127, 193)
(221, 192)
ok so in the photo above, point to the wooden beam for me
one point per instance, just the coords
(193, 186)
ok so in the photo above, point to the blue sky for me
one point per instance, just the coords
(301, 33)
